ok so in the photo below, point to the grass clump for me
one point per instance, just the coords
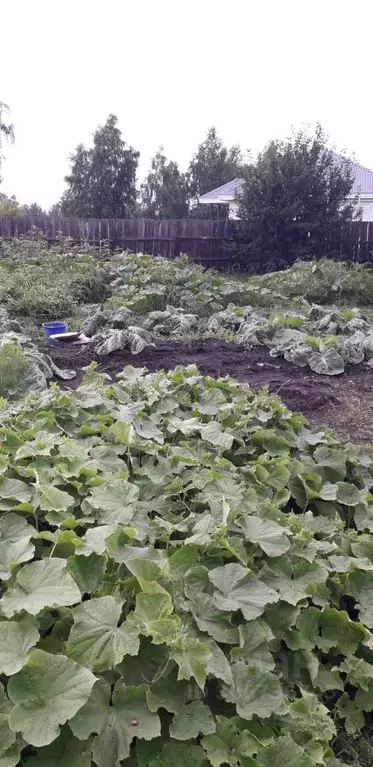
(14, 371)
(42, 283)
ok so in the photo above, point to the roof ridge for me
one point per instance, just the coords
(352, 161)
(234, 182)
(363, 167)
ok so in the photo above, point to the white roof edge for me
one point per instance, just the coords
(361, 196)
(217, 200)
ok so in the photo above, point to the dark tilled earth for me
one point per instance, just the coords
(344, 403)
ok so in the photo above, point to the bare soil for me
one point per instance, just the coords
(344, 403)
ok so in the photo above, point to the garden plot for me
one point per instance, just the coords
(186, 565)
(186, 575)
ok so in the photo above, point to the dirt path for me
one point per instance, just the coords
(344, 402)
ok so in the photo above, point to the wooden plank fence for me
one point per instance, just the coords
(205, 240)
(209, 242)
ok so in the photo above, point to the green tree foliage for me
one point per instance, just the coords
(293, 195)
(9, 206)
(34, 209)
(102, 179)
(55, 209)
(165, 191)
(6, 127)
(214, 164)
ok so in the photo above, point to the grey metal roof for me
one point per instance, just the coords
(224, 193)
(363, 184)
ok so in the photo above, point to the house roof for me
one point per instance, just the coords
(222, 194)
(363, 184)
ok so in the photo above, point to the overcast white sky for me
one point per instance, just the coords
(170, 69)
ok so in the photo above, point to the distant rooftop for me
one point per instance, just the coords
(363, 184)
(225, 193)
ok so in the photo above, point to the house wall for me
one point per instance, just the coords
(367, 209)
(233, 210)
(365, 204)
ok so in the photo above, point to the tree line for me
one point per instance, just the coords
(294, 187)
(102, 179)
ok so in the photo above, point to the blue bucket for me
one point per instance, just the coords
(52, 328)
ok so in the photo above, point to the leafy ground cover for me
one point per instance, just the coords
(323, 339)
(132, 300)
(343, 403)
(324, 282)
(150, 285)
(186, 578)
(155, 298)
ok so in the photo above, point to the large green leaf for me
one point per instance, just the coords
(237, 589)
(191, 720)
(209, 618)
(221, 746)
(348, 494)
(211, 402)
(66, 751)
(92, 716)
(360, 586)
(284, 752)
(296, 582)
(253, 645)
(364, 698)
(9, 743)
(144, 563)
(153, 615)
(87, 571)
(46, 693)
(54, 499)
(15, 543)
(337, 630)
(94, 540)
(214, 434)
(272, 538)
(114, 501)
(147, 429)
(310, 716)
(40, 584)
(273, 441)
(11, 756)
(191, 656)
(16, 640)
(15, 490)
(173, 754)
(329, 628)
(254, 692)
(351, 713)
(116, 720)
(170, 694)
(236, 741)
(96, 640)
(151, 663)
